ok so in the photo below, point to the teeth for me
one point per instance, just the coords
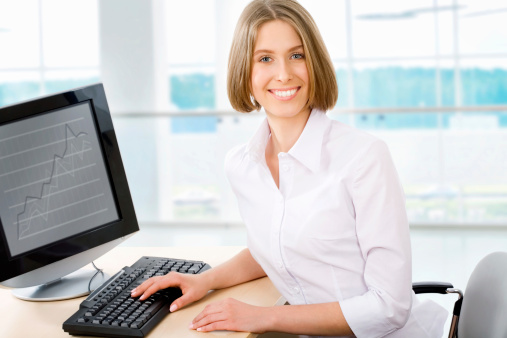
(285, 93)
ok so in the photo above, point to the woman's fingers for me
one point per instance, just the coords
(208, 310)
(182, 301)
(154, 284)
(211, 318)
(213, 326)
(214, 320)
(141, 288)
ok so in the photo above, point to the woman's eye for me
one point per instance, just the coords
(298, 56)
(265, 59)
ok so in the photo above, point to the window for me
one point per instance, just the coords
(427, 76)
(47, 46)
(404, 70)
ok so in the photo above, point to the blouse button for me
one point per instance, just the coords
(296, 290)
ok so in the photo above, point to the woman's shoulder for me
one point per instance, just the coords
(234, 157)
(356, 140)
(356, 151)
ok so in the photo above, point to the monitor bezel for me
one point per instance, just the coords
(126, 224)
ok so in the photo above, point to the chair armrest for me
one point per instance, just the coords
(443, 288)
(431, 287)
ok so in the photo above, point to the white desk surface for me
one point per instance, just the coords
(20, 318)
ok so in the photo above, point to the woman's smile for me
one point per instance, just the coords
(284, 94)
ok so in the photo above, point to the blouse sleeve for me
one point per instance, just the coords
(383, 235)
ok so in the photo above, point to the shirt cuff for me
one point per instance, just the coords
(365, 317)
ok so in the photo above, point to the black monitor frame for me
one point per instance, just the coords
(126, 224)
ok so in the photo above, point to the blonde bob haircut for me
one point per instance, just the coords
(323, 88)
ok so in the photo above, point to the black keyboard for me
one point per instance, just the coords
(110, 311)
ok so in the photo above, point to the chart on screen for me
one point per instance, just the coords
(52, 178)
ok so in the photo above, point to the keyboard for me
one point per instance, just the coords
(110, 311)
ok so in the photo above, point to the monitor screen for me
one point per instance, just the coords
(64, 196)
(53, 181)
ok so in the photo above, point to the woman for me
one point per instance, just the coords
(321, 201)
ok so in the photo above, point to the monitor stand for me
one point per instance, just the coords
(73, 285)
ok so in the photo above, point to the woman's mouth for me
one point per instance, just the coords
(285, 94)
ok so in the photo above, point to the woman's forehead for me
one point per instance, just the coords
(277, 35)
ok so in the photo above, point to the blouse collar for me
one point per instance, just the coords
(307, 149)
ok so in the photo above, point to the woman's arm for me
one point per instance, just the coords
(384, 239)
(312, 319)
(239, 269)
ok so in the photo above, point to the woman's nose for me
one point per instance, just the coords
(284, 72)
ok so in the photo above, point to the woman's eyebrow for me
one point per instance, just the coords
(267, 51)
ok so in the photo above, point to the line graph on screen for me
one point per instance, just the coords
(54, 181)
(66, 186)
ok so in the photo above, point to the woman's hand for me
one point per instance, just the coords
(193, 287)
(233, 315)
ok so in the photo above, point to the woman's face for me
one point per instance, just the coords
(279, 77)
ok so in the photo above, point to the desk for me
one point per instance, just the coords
(47, 317)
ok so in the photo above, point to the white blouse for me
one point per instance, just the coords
(336, 229)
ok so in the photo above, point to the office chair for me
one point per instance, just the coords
(482, 310)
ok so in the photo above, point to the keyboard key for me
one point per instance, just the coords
(108, 321)
(126, 323)
(194, 269)
(137, 324)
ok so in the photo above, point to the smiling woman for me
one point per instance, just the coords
(321, 201)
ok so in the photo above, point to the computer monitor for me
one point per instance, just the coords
(64, 196)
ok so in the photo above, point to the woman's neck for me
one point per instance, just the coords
(285, 131)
